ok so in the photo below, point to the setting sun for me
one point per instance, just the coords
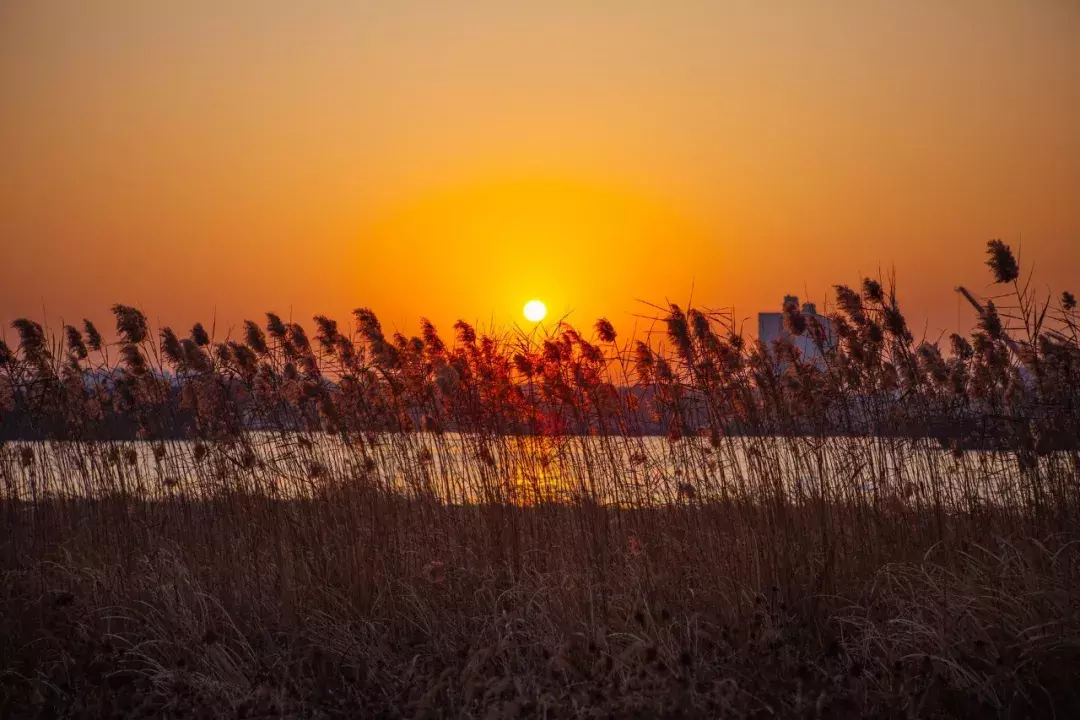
(790, 316)
(535, 311)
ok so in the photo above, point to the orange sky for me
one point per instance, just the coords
(454, 159)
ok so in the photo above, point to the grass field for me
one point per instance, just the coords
(565, 525)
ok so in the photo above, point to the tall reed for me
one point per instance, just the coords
(694, 522)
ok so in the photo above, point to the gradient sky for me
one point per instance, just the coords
(454, 159)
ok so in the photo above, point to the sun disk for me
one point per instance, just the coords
(535, 311)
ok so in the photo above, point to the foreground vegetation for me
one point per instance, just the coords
(361, 525)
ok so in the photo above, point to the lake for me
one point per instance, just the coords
(625, 471)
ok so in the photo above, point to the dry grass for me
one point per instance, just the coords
(481, 528)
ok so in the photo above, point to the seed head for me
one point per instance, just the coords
(130, 323)
(850, 302)
(274, 326)
(299, 338)
(327, 334)
(244, 357)
(644, 356)
(369, 326)
(432, 342)
(991, 322)
(552, 352)
(193, 357)
(223, 352)
(678, 330)
(254, 337)
(93, 337)
(133, 359)
(346, 350)
(872, 290)
(31, 336)
(524, 364)
(1002, 262)
(605, 330)
(961, 348)
(794, 321)
(591, 353)
(170, 346)
(895, 323)
(76, 347)
(699, 322)
(466, 334)
(199, 335)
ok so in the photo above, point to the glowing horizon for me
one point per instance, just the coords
(455, 162)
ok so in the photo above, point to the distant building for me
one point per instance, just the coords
(771, 328)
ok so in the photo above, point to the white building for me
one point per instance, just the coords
(771, 328)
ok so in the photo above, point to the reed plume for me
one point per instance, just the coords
(850, 522)
(1002, 262)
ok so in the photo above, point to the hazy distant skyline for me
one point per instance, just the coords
(457, 159)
